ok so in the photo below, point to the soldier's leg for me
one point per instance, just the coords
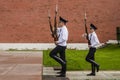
(92, 65)
(90, 55)
(92, 52)
(63, 57)
(53, 54)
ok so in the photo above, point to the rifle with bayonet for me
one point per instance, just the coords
(86, 30)
(53, 29)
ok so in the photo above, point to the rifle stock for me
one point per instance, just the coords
(86, 30)
(51, 28)
(53, 31)
(55, 25)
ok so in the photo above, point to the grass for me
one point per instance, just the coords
(108, 58)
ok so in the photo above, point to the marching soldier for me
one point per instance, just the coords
(92, 49)
(61, 44)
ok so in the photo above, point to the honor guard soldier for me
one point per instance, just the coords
(61, 45)
(92, 49)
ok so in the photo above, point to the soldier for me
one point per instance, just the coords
(61, 46)
(92, 49)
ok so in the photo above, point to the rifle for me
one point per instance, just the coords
(86, 31)
(54, 32)
(55, 24)
(51, 28)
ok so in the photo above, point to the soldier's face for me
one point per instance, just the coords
(61, 24)
(91, 30)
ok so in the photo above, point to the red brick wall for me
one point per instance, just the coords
(26, 20)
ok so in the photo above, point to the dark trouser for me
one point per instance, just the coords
(90, 58)
(61, 58)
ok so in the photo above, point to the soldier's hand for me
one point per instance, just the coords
(89, 46)
(84, 35)
(52, 35)
(56, 42)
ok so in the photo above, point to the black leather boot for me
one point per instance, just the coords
(97, 67)
(91, 74)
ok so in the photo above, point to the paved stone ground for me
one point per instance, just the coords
(28, 66)
(49, 72)
(20, 65)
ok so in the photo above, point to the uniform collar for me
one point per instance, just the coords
(62, 27)
(93, 32)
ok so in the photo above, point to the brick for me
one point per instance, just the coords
(25, 21)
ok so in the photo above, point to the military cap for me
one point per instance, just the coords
(93, 26)
(63, 20)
